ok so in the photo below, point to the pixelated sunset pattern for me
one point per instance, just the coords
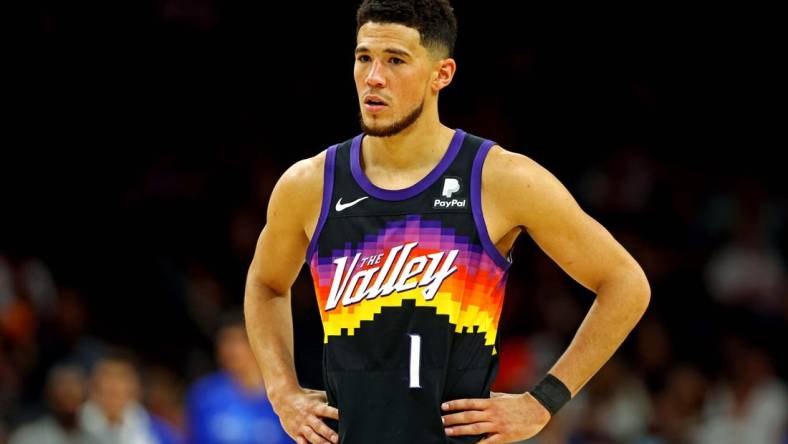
(471, 297)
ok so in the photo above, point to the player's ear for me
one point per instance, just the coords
(443, 73)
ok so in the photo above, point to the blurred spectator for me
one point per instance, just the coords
(40, 285)
(752, 406)
(677, 408)
(113, 412)
(27, 294)
(68, 331)
(164, 396)
(19, 322)
(749, 270)
(66, 387)
(618, 407)
(231, 406)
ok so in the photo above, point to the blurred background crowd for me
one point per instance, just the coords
(147, 137)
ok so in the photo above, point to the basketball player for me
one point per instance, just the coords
(407, 229)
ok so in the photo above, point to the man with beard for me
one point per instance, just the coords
(407, 229)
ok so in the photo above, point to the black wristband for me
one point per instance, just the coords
(551, 393)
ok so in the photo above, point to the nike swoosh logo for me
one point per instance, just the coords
(341, 206)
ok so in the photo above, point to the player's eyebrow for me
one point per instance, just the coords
(395, 51)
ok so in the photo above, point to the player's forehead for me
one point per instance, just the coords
(374, 36)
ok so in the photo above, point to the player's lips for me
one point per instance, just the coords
(374, 103)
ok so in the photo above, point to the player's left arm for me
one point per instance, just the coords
(525, 194)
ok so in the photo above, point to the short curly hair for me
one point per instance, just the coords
(434, 19)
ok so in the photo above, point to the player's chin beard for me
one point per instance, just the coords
(394, 128)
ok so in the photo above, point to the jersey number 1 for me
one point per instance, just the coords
(415, 360)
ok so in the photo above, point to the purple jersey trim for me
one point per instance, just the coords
(476, 205)
(405, 193)
(328, 189)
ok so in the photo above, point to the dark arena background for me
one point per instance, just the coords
(143, 140)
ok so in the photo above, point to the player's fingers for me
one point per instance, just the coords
(311, 436)
(466, 417)
(320, 394)
(322, 429)
(301, 440)
(491, 439)
(465, 404)
(470, 429)
(326, 411)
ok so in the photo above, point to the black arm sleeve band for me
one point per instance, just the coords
(551, 393)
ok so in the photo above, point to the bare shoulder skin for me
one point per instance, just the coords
(518, 195)
(293, 212)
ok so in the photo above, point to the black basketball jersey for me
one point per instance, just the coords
(410, 290)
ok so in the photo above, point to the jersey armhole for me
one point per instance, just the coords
(476, 206)
(328, 190)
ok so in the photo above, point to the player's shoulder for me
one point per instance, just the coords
(516, 183)
(521, 189)
(302, 181)
(305, 171)
(503, 168)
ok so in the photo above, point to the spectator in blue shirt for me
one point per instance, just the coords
(230, 406)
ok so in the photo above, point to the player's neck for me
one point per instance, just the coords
(421, 145)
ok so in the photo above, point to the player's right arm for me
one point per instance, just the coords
(293, 210)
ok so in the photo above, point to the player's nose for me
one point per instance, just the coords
(375, 77)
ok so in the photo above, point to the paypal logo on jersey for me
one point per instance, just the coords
(451, 185)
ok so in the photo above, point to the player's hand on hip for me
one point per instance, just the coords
(300, 413)
(503, 417)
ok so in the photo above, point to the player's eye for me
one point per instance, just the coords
(396, 60)
(363, 58)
